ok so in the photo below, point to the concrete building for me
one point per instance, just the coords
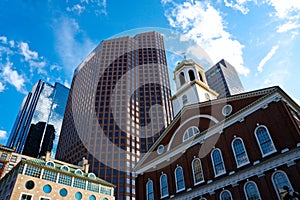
(119, 104)
(38, 123)
(223, 78)
(47, 179)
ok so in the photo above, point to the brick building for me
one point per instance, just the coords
(246, 146)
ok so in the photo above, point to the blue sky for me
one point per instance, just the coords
(48, 39)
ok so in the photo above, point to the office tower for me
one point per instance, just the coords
(118, 106)
(38, 123)
(223, 78)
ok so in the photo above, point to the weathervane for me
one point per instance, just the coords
(184, 55)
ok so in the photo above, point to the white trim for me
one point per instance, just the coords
(147, 193)
(249, 182)
(288, 180)
(78, 170)
(44, 197)
(213, 163)
(224, 192)
(162, 150)
(161, 187)
(66, 167)
(255, 133)
(188, 120)
(187, 132)
(48, 162)
(176, 181)
(270, 164)
(196, 183)
(234, 153)
(20, 197)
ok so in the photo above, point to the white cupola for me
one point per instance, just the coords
(191, 85)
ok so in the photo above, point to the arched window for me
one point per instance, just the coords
(251, 191)
(280, 179)
(190, 132)
(264, 140)
(92, 175)
(200, 76)
(184, 99)
(240, 154)
(191, 75)
(179, 179)
(65, 168)
(78, 172)
(217, 161)
(164, 191)
(197, 171)
(181, 78)
(50, 163)
(149, 190)
(225, 195)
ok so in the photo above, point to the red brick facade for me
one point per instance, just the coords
(270, 108)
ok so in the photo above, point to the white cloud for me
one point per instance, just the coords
(237, 5)
(3, 39)
(287, 27)
(77, 8)
(288, 11)
(13, 77)
(3, 134)
(204, 24)
(71, 51)
(2, 87)
(276, 77)
(26, 52)
(267, 58)
(38, 65)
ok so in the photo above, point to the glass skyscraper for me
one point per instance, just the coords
(223, 78)
(119, 104)
(38, 123)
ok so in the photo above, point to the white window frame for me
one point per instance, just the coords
(248, 182)
(213, 163)
(288, 180)
(50, 162)
(147, 192)
(194, 177)
(20, 198)
(179, 190)
(66, 167)
(224, 192)
(271, 152)
(234, 153)
(186, 132)
(44, 197)
(160, 186)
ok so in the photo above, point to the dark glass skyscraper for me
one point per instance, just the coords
(223, 78)
(119, 104)
(38, 123)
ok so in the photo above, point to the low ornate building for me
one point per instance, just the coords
(47, 178)
(246, 146)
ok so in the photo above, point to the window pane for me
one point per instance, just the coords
(251, 191)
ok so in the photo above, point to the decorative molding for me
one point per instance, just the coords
(245, 174)
(256, 162)
(284, 150)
